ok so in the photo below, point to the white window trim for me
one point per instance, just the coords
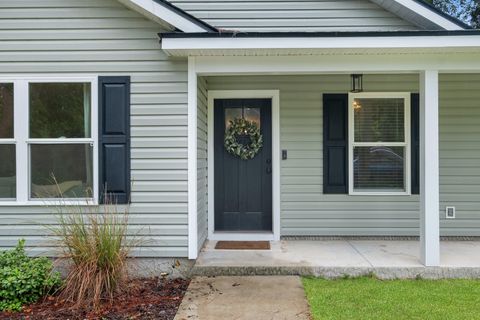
(22, 141)
(406, 144)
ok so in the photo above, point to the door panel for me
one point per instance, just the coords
(243, 188)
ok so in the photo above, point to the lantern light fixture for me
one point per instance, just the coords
(357, 83)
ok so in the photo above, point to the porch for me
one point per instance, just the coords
(297, 82)
(386, 259)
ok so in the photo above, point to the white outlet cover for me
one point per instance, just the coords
(450, 212)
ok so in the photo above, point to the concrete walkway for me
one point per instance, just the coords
(244, 298)
(386, 259)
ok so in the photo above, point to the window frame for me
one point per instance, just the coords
(406, 96)
(22, 140)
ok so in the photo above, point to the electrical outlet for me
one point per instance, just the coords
(450, 213)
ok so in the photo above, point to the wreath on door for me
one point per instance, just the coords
(243, 139)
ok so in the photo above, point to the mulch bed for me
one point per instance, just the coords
(148, 299)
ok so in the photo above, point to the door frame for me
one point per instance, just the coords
(274, 95)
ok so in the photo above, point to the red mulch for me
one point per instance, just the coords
(148, 299)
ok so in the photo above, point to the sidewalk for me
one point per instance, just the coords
(244, 298)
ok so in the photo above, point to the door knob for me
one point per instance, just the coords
(269, 170)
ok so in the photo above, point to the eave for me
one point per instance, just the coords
(312, 43)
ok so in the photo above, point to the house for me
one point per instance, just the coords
(364, 115)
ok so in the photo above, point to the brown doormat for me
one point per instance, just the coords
(242, 245)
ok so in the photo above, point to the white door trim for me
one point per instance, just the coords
(246, 94)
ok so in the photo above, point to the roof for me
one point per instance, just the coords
(423, 13)
(170, 14)
(417, 12)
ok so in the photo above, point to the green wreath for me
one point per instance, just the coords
(241, 127)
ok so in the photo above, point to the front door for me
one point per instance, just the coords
(243, 188)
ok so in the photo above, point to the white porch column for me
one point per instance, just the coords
(192, 160)
(429, 169)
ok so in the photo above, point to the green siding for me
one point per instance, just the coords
(460, 153)
(304, 15)
(306, 211)
(102, 37)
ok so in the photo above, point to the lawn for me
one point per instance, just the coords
(369, 298)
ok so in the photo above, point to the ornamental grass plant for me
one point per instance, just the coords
(94, 245)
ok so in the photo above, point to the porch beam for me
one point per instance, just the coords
(192, 160)
(429, 169)
(401, 63)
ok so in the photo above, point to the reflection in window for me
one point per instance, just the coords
(7, 148)
(61, 170)
(379, 168)
(7, 172)
(6, 111)
(250, 114)
(60, 110)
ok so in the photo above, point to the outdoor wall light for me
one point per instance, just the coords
(357, 83)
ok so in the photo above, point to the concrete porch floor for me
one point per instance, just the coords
(386, 259)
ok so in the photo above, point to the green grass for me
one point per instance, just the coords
(369, 298)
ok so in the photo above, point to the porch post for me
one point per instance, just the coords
(192, 160)
(429, 169)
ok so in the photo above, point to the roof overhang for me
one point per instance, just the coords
(169, 15)
(422, 14)
(247, 44)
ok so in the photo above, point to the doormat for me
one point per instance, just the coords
(242, 245)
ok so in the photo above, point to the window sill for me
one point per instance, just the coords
(360, 193)
(50, 203)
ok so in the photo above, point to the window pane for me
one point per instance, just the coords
(379, 168)
(61, 169)
(232, 114)
(6, 110)
(379, 120)
(253, 115)
(60, 110)
(250, 114)
(7, 172)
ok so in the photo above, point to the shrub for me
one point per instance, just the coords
(93, 241)
(23, 279)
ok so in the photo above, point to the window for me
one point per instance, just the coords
(379, 142)
(48, 140)
(7, 143)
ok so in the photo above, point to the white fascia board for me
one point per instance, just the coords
(429, 14)
(153, 8)
(321, 43)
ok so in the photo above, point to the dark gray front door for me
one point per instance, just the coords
(243, 188)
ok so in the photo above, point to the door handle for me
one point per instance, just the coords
(269, 170)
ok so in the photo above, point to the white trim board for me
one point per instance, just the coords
(246, 94)
(155, 11)
(417, 13)
(192, 161)
(348, 64)
(183, 46)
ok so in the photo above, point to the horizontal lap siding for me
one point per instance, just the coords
(202, 166)
(460, 153)
(102, 37)
(284, 15)
(305, 210)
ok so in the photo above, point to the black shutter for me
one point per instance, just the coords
(114, 138)
(415, 135)
(335, 143)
